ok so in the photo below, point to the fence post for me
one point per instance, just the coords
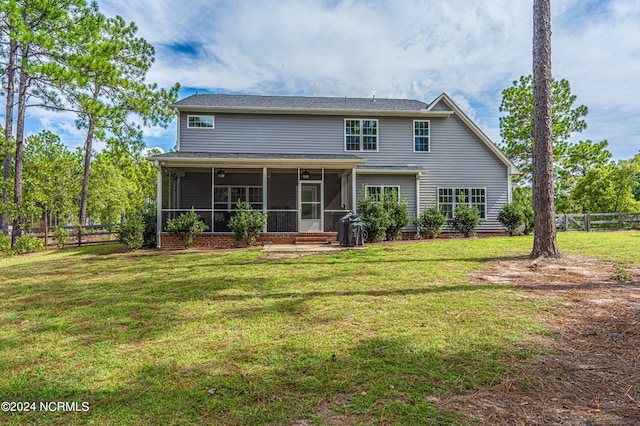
(587, 222)
(46, 230)
(620, 221)
(566, 222)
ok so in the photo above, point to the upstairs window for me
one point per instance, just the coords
(420, 136)
(200, 121)
(360, 134)
(449, 198)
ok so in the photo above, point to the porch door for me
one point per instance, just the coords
(311, 206)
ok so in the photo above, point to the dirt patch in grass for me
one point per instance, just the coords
(588, 369)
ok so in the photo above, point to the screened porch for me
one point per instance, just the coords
(294, 199)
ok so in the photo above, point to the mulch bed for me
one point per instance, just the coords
(589, 372)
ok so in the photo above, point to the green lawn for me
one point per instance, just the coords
(363, 337)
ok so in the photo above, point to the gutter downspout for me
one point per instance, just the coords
(264, 196)
(418, 176)
(354, 205)
(509, 186)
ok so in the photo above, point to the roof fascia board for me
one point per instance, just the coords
(314, 111)
(389, 172)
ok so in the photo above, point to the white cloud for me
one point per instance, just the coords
(148, 151)
(470, 49)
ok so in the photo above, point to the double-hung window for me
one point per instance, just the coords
(420, 136)
(200, 121)
(226, 197)
(378, 191)
(479, 201)
(360, 134)
(449, 198)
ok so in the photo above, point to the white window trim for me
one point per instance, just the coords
(382, 187)
(231, 205)
(344, 133)
(413, 136)
(455, 201)
(213, 121)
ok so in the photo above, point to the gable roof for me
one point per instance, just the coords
(300, 102)
(254, 104)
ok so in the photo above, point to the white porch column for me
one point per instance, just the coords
(159, 206)
(509, 187)
(213, 198)
(354, 205)
(322, 202)
(264, 194)
(418, 175)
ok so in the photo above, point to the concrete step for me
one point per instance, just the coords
(313, 240)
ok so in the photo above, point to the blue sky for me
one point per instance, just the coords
(417, 49)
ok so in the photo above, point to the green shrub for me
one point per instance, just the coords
(527, 212)
(27, 244)
(396, 208)
(247, 223)
(511, 217)
(522, 196)
(430, 223)
(375, 218)
(60, 236)
(384, 216)
(5, 244)
(131, 232)
(150, 221)
(187, 227)
(465, 220)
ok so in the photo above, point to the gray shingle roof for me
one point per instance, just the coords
(300, 102)
(251, 156)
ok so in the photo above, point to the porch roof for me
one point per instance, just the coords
(408, 169)
(183, 158)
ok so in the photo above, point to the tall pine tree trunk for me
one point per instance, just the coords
(84, 194)
(8, 133)
(17, 188)
(544, 227)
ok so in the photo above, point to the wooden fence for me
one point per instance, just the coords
(80, 236)
(597, 221)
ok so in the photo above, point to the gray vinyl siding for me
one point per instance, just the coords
(459, 160)
(440, 106)
(407, 185)
(282, 134)
(457, 157)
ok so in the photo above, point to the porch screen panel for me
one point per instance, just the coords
(221, 198)
(255, 198)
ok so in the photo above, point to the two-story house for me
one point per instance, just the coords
(305, 161)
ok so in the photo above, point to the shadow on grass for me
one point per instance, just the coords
(104, 312)
(379, 380)
(143, 338)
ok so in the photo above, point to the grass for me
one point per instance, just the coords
(360, 337)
